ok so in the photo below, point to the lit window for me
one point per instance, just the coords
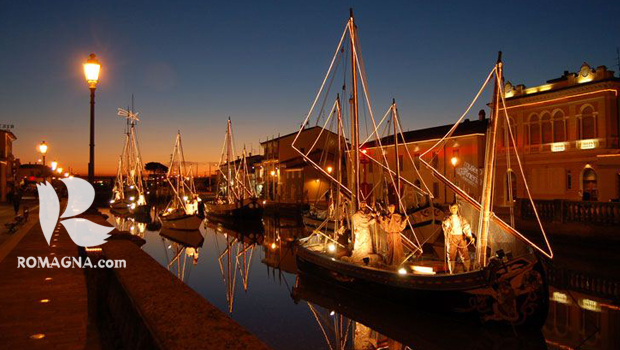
(587, 124)
(559, 127)
(534, 131)
(547, 135)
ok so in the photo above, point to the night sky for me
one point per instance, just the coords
(191, 64)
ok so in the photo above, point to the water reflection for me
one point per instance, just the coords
(179, 246)
(253, 273)
(235, 251)
(129, 224)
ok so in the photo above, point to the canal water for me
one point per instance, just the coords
(251, 276)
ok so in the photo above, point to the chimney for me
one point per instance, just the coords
(482, 115)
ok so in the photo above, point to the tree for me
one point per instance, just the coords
(156, 168)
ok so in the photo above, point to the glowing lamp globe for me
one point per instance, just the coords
(91, 71)
(43, 147)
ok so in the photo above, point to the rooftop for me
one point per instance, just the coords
(585, 75)
(467, 127)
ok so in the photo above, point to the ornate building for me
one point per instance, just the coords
(567, 133)
(8, 163)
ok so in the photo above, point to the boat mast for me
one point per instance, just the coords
(228, 162)
(354, 117)
(338, 164)
(396, 158)
(489, 171)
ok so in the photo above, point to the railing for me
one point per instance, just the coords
(562, 211)
(583, 282)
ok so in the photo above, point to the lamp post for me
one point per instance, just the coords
(91, 72)
(43, 150)
(454, 162)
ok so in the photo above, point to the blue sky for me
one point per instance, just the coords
(191, 64)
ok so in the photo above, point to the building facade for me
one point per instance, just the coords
(286, 177)
(460, 159)
(8, 163)
(566, 132)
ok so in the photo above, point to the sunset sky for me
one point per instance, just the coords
(191, 64)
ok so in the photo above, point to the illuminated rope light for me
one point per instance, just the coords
(470, 199)
(560, 98)
(462, 116)
(527, 188)
(323, 83)
(417, 171)
(372, 118)
(331, 113)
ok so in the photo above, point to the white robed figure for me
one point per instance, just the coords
(362, 246)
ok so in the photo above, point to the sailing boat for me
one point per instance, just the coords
(181, 213)
(237, 198)
(128, 194)
(508, 288)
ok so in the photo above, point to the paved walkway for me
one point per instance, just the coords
(8, 241)
(43, 308)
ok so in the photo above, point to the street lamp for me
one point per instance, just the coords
(454, 161)
(43, 150)
(91, 72)
(54, 165)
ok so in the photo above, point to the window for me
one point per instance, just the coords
(569, 180)
(588, 125)
(436, 189)
(416, 160)
(534, 131)
(370, 167)
(547, 133)
(400, 162)
(589, 185)
(559, 127)
(435, 160)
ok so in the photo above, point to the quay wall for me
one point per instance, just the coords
(144, 306)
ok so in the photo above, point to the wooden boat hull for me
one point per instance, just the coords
(514, 293)
(248, 210)
(411, 326)
(182, 222)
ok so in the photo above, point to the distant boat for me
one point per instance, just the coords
(507, 283)
(236, 198)
(128, 193)
(181, 213)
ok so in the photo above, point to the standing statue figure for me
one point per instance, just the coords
(456, 229)
(393, 224)
(362, 221)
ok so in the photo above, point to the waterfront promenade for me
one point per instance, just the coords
(58, 308)
(43, 308)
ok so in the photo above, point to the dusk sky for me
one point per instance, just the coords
(191, 64)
